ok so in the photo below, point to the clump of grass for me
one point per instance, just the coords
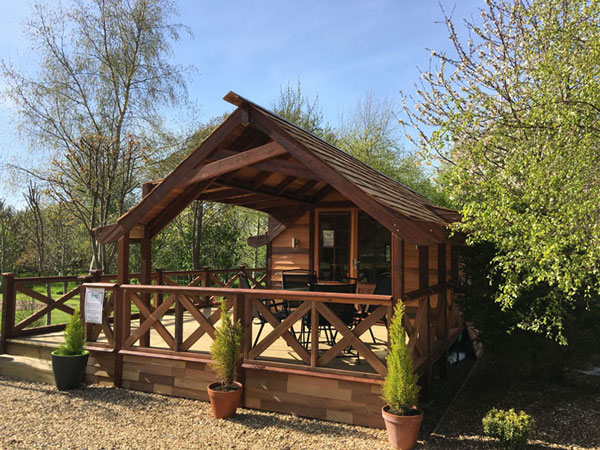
(226, 349)
(74, 341)
(400, 388)
(512, 429)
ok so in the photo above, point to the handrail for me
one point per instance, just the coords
(332, 297)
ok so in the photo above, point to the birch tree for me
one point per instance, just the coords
(103, 82)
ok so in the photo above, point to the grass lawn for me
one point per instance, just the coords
(566, 410)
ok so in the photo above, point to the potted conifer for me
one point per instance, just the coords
(70, 359)
(400, 390)
(225, 394)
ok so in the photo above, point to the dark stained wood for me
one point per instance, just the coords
(122, 323)
(8, 308)
(145, 276)
(278, 165)
(397, 267)
(181, 172)
(305, 189)
(260, 179)
(234, 162)
(442, 304)
(285, 183)
(311, 238)
(175, 208)
(404, 228)
(280, 329)
(314, 334)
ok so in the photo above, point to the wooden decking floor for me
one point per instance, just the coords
(279, 351)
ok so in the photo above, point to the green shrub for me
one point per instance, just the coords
(521, 353)
(226, 348)
(74, 342)
(511, 428)
(400, 389)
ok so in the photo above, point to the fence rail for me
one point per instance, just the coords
(132, 311)
(26, 301)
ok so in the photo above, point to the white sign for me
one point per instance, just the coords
(94, 301)
(328, 238)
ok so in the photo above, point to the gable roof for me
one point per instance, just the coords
(253, 136)
(380, 187)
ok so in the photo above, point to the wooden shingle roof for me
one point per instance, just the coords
(258, 160)
(376, 185)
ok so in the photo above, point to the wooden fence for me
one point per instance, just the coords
(27, 301)
(132, 311)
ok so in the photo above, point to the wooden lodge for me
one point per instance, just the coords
(344, 244)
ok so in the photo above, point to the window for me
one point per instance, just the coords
(373, 249)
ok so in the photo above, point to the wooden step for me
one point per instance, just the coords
(26, 368)
(30, 349)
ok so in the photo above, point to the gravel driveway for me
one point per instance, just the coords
(38, 416)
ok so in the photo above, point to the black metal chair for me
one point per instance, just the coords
(297, 279)
(345, 311)
(383, 286)
(279, 310)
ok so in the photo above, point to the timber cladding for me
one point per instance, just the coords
(332, 398)
(181, 378)
(100, 368)
(286, 257)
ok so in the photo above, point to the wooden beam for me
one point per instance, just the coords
(173, 210)
(183, 171)
(278, 165)
(242, 187)
(423, 233)
(260, 179)
(284, 184)
(235, 162)
(305, 188)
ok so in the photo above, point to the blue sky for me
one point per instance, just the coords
(338, 49)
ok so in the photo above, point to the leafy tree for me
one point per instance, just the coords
(371, 135)
(297, 108)
(514, 113)
(103, 81)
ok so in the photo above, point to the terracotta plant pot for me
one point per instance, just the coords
(403, 431)
(224, 403)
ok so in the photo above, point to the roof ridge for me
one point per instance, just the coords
(237, 100)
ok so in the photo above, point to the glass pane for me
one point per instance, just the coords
(334, 245)
(373, 249)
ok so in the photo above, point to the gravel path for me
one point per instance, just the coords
(36, 415)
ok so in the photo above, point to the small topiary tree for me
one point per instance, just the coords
(511, 428)
(226, 349)
(400, 389)
(74, 341)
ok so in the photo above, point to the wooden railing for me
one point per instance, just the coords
(30, 308)
(167, 319)
(432, 321)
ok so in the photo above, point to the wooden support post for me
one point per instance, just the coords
(9, 300)
(314, 334)
(205, 283)
(443, 307)
(145, 278)
(158, 299)
(424, 284)
(247, 326)
(397, 269)
(178, 324)
(49, 295)
(122, 321)
(239, 314)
